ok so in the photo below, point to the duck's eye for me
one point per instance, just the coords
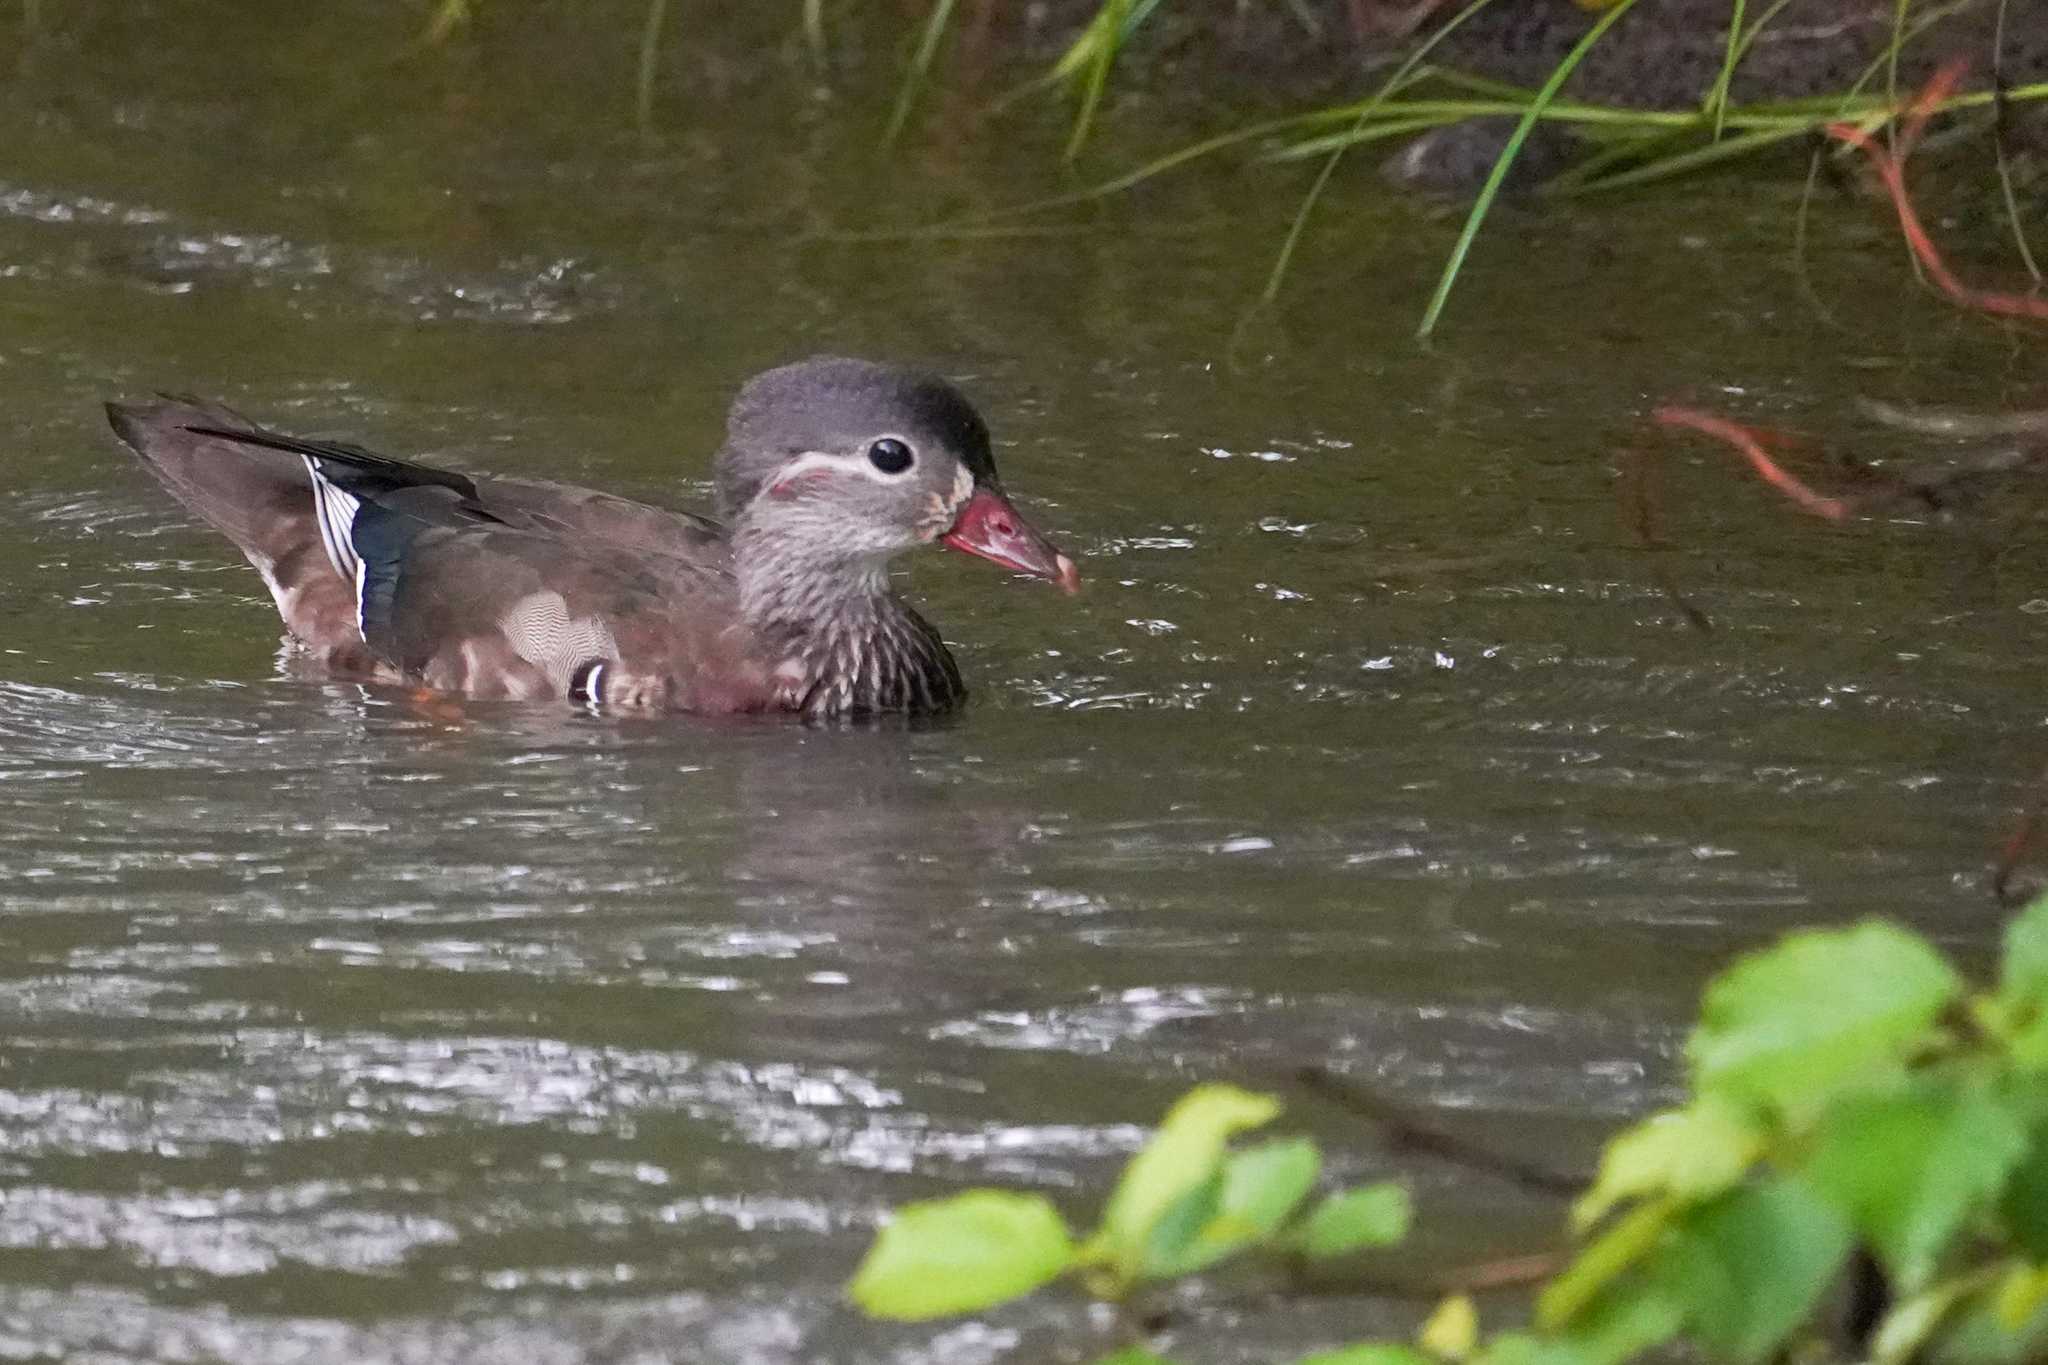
(890, 455)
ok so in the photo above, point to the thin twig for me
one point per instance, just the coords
(2017, 845)
(1404, 1132)
(1381, 1282)
(1506, 1272)
(1640, 511)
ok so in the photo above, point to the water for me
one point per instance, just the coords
(338, 1026)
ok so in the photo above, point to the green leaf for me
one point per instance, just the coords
(1692, 1153)
(1749, 1267)
(1973, 1332)
(1627, 1321)
(1264, 1184)
(1355, 1219)
(1133, 1355)
(2028, 1042)
(1614, 1251)
(1369, 1354)
(1910, 1169)
(1172, 1244)
(1254, 1193)
(1452, 1330)
(2022, 1290)
(1623, 1323)
(2023, 977)
(959, 1255)
(2022, 998)
(1789, 1026)
(1908, 1326)
(2025, 1203)
(1523, 1348)
(1186, 1151)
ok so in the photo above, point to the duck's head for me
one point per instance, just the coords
(850, 460)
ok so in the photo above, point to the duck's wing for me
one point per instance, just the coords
(495, 611)
(496, 588)
(574, 513)
(542, 506)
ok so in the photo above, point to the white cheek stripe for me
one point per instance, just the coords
(813, 460)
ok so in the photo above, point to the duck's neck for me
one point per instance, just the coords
(853, 644)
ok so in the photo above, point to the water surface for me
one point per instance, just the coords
(338, 1027)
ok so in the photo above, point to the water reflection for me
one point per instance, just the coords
(343, 1027)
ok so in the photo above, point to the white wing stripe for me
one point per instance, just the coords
(335, 512)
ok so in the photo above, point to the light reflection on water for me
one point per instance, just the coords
(338, 1027)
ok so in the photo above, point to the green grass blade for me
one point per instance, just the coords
(650, 64)
(1080, 53)
(1889, 57)
(1637, 147)
(2012, 207)
(1717, 98)
(920, 67)
(1305, 16)
(1285, 256)
(1491, 189)
(1111, 27)
(448, 16)
(1106, 35)
(1801, 224)
(1160, 165)
(1663, 168)
(1140, 12)
(1377, 131)
(1734, 58)
(1482, 85)
(814, 29)
(1096, 76)
(1978, 99)
(1891, 53)
(1627, 118)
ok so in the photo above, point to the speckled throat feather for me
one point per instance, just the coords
(875, 656)
(848, 645)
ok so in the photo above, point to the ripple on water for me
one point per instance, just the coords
(340, 1029)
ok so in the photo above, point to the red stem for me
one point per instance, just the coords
(1833, 509)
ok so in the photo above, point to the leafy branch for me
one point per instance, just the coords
(1852, 1103)
(1186, 1202)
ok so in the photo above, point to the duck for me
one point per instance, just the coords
(385, 570)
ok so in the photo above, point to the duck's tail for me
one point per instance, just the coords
(261, 499)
